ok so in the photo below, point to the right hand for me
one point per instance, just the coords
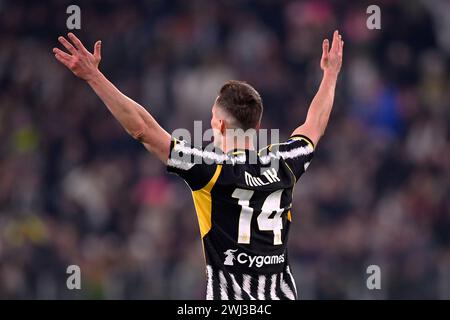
(332, 58)
(80, 61)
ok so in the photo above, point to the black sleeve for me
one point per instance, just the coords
(189, 163)
(297, 152)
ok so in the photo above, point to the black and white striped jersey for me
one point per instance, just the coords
(243, 201)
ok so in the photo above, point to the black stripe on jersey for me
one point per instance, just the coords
(215, 285)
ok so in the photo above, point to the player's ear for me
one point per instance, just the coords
(222, 127)
(258, 126)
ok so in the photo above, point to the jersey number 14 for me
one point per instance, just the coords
(265, 223)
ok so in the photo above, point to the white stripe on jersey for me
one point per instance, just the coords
(218, 158)
(273, 286)
(223, 286)
(225, 158)
(292, 279)
(261, 287)
(246, 282)
(294, 153)
(285, 288)
(209, 285)
(179, 164)
(236, 288)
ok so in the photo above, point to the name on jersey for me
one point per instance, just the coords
(258, 261)
(269, 176)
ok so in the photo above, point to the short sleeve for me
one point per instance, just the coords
(188, 162)
(297, 152)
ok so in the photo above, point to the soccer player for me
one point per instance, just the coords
(243, 207)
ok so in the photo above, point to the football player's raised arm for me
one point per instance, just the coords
(322, 104)
(132, 116)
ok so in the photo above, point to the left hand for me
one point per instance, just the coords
(80, 61)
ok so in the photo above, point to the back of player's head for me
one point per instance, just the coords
(242, 102)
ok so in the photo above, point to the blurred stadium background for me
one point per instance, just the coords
(75, 189)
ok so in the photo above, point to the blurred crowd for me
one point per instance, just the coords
(76, 189)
